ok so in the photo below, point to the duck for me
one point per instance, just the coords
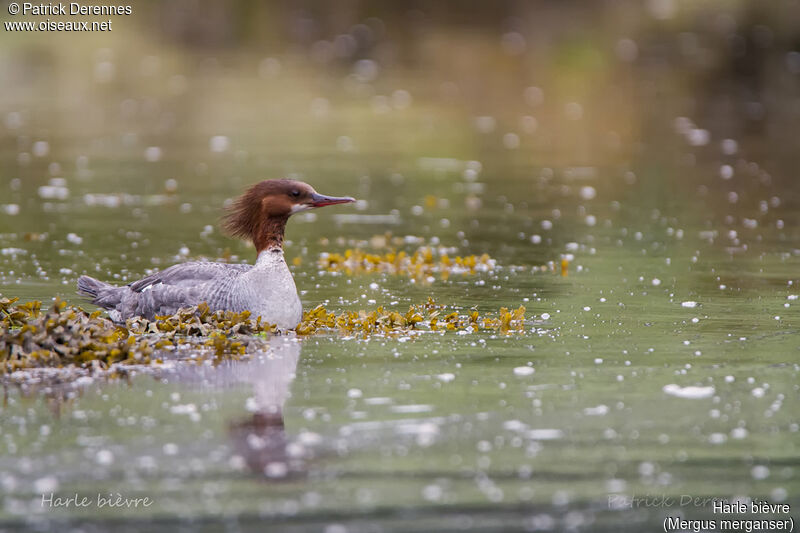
(265, 289)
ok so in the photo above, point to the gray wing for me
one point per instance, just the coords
(188, 274)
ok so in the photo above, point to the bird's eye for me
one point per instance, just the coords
(295, 194)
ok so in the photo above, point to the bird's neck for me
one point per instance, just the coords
(269, 234)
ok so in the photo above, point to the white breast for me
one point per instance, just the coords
(269, 291)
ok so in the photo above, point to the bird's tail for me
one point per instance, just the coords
(90, 286)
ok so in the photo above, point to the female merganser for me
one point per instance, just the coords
(266, 289)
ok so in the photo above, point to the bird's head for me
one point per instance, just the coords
(262, 211)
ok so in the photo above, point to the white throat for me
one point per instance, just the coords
(270, 256)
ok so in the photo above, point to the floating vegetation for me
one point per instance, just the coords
(419, 318)
(424, 263)
(63, 335)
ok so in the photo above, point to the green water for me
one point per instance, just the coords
(683, 258)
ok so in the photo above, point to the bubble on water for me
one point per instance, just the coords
(545, 316)
(511, 141)
(588, 192)
(529, 124)
(485, 124)
(104, 457)
(616, 485)
(726, 172)
(170, 448)
(544, 434)
(177, 84)
(104, 71)
(432, 493)
(378, 400)
(560, 498)
(401, 99)
(729, 146)
(627, 50)
(513, 43)
(573, 111)
(524, 371)
(269, 67)
(662, 9)
(152, 154)
(345, 144)
(759, 472)
(717, 438)
(53, 192)
(416, 210)
(484, 446)
(514, 425)
(14, 120)
(380, 104)
(469, 174)
(40, 148)
(344, 45)
(540, 522)
(599, 410)
(690, 392)
(309, 438)
(219, 144)
(733, 197)
(276, 469)
(778, 494)
(10, 209)
(698, 137)
(546, 225)
(366, 70)
(320, 107)
(655, 282)
(46, 484)
(534, 96)
(405, 409)
(689, 304)
(354, 393)
(183, 409)
(739, 433)
(477, 166)
(536, 239)
(446, 377)
(74, 239)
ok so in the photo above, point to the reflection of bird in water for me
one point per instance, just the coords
(261, 439)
